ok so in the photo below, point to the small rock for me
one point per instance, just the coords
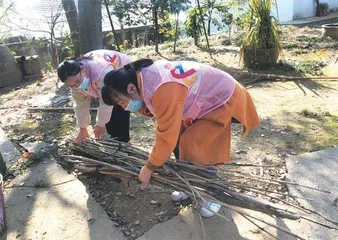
(153, 202)
(116, 224)
(131, 195)
(262, 135)
(133, 235)
(241, 151)
(144, 186)
(114, 214)
(30, 195)
(137, 222)
(118, 194)
(127, 233)
(21, 184)
(44, 233)
(89, 216)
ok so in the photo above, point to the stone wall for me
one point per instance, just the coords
(10, 73)
(24, 49)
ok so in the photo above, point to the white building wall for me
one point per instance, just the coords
(285, 10)
(304, 9)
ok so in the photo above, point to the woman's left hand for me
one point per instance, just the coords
(145, 175)
(99, 131)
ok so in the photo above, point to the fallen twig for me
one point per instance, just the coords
(54, 109)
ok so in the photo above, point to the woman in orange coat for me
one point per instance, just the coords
(193, 104)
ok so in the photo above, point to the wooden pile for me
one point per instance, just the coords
(200, 182)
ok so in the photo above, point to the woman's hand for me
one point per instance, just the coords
(82, 135)
(145, 175)
(99, 131)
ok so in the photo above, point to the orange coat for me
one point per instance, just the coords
(205, 140)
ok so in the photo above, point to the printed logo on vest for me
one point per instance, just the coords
(114, 60)
(188, 77)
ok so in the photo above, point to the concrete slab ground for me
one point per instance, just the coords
(7, 149)
(317, 169)
(53, 204)
(311, 20)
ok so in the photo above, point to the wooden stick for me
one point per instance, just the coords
(258, 219)
(273, 181)
(322, 224)
(261, 228)
(101, 163)
(263, 194)
(52, 109)
(263, 190)
(203, 228)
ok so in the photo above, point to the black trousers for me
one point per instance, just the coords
(118, 126)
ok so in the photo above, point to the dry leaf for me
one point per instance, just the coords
(89, 215)
(26, 155)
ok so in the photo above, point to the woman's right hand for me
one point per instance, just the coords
(82, 135)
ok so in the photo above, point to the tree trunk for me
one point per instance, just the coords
(176, 31)
(123, 34)
(72, 18)
(155, 17)
(112, 26)
(205, 32)
(90, 25)
(52, 50)
(209, 26)
(195, 28)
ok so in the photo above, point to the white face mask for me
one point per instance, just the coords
(84, 85)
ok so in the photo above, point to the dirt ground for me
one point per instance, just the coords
(296, 117)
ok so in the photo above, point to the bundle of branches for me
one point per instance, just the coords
(201, 183)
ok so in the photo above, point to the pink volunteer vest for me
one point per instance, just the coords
(94, 67)
(208, 87)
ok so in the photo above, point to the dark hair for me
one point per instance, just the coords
(70, 67)
(117, 81)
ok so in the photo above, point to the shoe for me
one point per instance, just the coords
(213, 206)
(178, 196)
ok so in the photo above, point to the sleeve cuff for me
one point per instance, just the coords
(151, 166)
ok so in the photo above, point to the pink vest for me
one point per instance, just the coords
(208, 87)
(95, 66)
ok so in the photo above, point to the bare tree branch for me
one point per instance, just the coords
(7, 9)
(26, 28)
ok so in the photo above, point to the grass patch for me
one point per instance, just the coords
(41, 184)
(309, 114)
(315, 131)
(308, 67)
(63, 129)
(310, 42)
